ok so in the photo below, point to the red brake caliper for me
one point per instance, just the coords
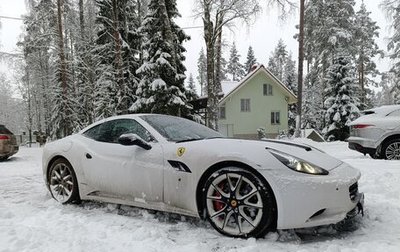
(217, 204)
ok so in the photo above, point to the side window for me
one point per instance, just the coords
(275, 117)
(267, 89)
(244, 105)
(110, 131)
(222, 112)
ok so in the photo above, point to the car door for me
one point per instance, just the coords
(115, 170)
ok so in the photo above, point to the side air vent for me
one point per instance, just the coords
(179, 166)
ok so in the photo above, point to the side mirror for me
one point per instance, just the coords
(130, 139)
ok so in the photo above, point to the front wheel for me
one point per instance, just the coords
(238, 204)
(63, 184)
(391, 150)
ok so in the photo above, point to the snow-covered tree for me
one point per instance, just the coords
(202, 72)
(277, 60)
(290, 80)
(118, 47)
(250, 60)
(366, 31)
(392, 9)
(216, 15)
(191, 92)
(341, 103)
(235, 68)
(161, 88)
(313, 106)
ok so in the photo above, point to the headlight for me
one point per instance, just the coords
(297, 164)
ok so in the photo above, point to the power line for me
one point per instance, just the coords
(13, 18)
(191, 27)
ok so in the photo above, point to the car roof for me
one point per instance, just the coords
(126, 116)
(382, 110)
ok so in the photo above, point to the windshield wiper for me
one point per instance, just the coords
(189, 140)
(196, 139)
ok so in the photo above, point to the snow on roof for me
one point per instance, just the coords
(228, 86)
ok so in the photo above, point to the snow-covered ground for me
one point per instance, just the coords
(31, 221)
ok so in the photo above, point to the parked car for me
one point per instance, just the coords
(377, 132)
(242, 187)
(8, 143)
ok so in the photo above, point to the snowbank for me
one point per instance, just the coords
(31, 221)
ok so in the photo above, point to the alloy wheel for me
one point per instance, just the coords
(392, 151)
(234, 204)
(61, 182)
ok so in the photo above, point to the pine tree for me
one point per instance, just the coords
(202, 72)
(277, 60)
(161, 89)
(327, 34)
(235, 68)
(342, 106)
(392, 8)
(118, 48)
(366, 31)
(251, 60)
(290, 80)
(313, 106)
(191, 93)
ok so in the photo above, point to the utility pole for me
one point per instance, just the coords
(300, 69)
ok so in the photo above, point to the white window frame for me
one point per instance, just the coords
(245, 105)
(275, 117)
(267, 89)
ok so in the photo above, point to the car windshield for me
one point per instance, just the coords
(176, 129)
(4, 130)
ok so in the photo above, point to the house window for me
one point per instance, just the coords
(275, 117)
(267, 89)
(244, 105)
(222, 114)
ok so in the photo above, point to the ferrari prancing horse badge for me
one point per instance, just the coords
(180, 151)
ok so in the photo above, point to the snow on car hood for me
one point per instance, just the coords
(304, 152)
(256, 149)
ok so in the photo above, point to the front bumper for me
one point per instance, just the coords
(308, 201)
(359, 209)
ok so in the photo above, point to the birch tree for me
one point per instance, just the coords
(217, 15)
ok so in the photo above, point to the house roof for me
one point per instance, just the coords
(229, 88)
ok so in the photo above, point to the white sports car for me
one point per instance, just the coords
(242, 187)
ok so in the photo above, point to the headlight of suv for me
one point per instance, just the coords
(298, 164)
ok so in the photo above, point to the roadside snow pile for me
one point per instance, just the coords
(31, 221)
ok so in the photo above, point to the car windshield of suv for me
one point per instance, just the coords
(4, 130)
(176, 129)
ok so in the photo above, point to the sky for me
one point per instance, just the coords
(263, 35)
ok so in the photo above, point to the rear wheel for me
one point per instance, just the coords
(63, 184)
(238, 204)
(391, 150)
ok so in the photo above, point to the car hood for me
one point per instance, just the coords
(256, 150)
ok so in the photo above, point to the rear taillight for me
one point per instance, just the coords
(362, 126)
(4, 137)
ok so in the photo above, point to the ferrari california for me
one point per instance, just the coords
(244, 188)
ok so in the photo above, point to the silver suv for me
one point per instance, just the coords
(377, 132)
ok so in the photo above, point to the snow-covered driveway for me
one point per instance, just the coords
(31, 221)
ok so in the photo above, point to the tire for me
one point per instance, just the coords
(391, 150)
(63, 184)
(238, 204)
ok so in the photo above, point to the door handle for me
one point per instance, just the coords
(88, 156)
